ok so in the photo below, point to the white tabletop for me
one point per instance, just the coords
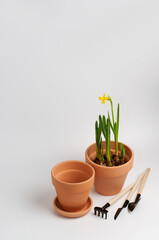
(57, 58)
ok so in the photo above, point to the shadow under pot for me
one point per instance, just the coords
(72, 181)
(109, 180)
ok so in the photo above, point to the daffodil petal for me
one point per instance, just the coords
(104, 98)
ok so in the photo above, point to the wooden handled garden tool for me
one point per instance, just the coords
(103, 211)
(129, 196)
(132, 205)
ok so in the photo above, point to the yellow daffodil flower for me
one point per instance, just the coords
(104, 98)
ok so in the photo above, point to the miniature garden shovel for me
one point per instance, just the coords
(132, 205)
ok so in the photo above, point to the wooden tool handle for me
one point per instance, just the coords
(144, 180)
(135, 187)
(114, 199)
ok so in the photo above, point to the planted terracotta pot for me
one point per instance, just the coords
(109, 180)
(72, 181)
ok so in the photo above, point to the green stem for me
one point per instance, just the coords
(112, 110)
(111, 123)
(122, 153)
(102, 153)
(116, 144)
(108, 143)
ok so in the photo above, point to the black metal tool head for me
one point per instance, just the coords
(100, 212)
(119, 209)
(132, 205)
(117, 213)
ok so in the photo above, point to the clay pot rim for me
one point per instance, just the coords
(114, 167)
(73, 161)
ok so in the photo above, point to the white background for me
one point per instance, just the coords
(56, 59)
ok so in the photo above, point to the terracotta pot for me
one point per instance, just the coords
(109, 180)
(72, 181)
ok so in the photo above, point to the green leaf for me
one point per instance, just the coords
(118, 117)
(121, 147)
(110, 123)
(122, 152)
(102, 126)
(108, 154)
(98, 141)
(97, 132)
(115, 128)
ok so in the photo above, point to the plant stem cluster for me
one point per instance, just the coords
(104, 126)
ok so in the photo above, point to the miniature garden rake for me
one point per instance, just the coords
(101, 211)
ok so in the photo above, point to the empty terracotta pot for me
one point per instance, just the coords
(109, 180)
(72, 181)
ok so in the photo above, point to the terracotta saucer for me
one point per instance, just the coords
(77, 214)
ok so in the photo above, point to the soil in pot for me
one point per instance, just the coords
(115, 161)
